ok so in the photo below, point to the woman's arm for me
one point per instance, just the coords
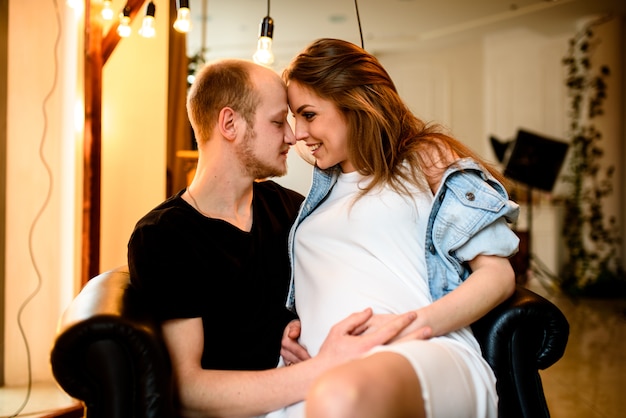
(491, 282)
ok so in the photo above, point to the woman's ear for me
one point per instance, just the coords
(226, 123)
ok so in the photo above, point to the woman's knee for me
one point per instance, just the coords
(337, 393)
(380, 385)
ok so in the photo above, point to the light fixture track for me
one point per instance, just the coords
(358, 19)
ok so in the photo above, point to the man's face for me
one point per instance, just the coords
(264, 148)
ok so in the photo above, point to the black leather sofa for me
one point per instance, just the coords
(109, 352)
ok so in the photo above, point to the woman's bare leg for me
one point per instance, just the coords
(381, 385)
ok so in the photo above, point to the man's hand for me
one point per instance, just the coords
(291, 351)
(347, 341)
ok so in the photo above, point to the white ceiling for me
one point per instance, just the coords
(232, 25)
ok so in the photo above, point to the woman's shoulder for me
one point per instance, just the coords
(435, 160)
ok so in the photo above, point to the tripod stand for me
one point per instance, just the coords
(534, 161)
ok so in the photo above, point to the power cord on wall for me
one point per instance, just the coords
(40, 212)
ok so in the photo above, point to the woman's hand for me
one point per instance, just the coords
(290, 350)
(416, 331)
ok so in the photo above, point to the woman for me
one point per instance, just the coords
(400, 217)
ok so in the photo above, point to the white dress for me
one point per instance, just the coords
(350, 255)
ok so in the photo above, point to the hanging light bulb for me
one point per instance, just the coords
(264, 54)
(74, 4)
(107, 11)
(123, 29)
(183, 16)
(147, 25)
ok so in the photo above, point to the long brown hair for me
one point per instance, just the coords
(386, 140)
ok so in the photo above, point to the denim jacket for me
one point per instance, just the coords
(469, 217)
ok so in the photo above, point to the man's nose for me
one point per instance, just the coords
(289, 136)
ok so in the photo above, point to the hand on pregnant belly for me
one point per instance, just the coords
(415, 331)
(347, 339)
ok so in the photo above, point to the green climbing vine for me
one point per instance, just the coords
(593, 267)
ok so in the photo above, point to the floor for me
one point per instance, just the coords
(43, 401)
(588, 382)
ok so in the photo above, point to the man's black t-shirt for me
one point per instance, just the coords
(186, 265)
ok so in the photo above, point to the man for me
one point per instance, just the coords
(212, 261)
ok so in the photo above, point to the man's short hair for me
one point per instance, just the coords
(220, 84)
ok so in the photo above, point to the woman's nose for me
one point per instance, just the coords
(301, 134)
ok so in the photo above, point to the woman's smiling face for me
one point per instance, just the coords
(321, 125)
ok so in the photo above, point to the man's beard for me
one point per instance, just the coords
(252, 164)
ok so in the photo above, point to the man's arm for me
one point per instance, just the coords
(247, 393)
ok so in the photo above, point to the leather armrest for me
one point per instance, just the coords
(524, 334)
(109, 352)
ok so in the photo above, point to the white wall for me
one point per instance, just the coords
(524, 88)
(133, 174)
(444, 86)
(134, 127)
(31, 128)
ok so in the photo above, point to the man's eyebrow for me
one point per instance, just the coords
(280, 113)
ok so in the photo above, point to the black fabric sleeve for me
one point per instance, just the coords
(159, 261)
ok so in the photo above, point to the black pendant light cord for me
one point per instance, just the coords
(358, 18)
(268, 8)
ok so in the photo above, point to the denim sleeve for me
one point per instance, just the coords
(495, 239)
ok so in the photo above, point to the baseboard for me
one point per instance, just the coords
(75, 411)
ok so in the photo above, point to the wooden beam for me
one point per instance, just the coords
(92, 143)
(97, 52)
(111, 39)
